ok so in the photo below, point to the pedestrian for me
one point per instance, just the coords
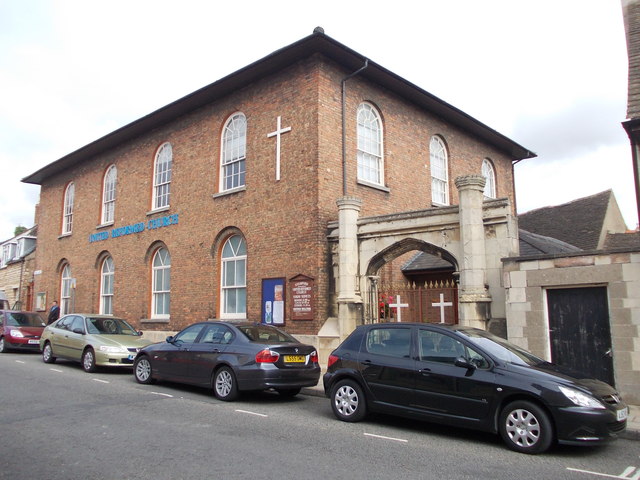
(54, 313)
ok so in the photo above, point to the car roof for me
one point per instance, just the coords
(441, 326)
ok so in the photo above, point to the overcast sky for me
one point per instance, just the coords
(549, 74)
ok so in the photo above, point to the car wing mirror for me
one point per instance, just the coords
(170, 339)
(78, 330)
(464, 363)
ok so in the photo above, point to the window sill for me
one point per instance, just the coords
(155, 320)
(64, 235)
(230, 192)
(374, 185)
(104, 225)
(158, 210)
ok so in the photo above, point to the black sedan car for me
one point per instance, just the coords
(229, 358)
(469, 378)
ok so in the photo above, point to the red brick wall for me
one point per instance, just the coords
(284, 222)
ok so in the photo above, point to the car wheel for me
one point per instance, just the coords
(348, 402)
(525, 427)
(47, 354)
(89, 360)
(3, 346)
(224, 385)
(142, 370)
(288, 392)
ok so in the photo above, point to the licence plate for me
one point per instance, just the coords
(295, 358)
(623, 414)
(34, 342)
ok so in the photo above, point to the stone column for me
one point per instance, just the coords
(349, 300)
(473, 296)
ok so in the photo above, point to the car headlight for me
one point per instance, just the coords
(110, 349)
(581, 399)
(16, 333)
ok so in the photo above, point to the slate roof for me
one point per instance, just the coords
(533, 244)
(425, 261)
(577, 223)
(622, 240)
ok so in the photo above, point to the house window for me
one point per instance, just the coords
(233, 156)
(234, 278)
(8, 253)
(439, 172)
(489, 174)
(161, 284)
(109, 195)
(67, 221)
(106, 287)
(370, 166)
(162, 176)
(66, 291)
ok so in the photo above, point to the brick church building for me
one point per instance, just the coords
(225, 203)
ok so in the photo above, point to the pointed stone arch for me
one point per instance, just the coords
(404, 246)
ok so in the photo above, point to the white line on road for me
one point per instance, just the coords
(624, 475)
(19, 361)
(55, 370)
(101, 381)
(252, 413)
(161, 394)
(386, 438)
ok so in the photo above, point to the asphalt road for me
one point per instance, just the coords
(58, 422)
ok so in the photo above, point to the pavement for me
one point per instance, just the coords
(633, 421)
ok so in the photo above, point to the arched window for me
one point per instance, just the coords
(67, 220)
(106, 287)
(234, 151)
(109, 194)
(161, 284)
(66, 290)
(439, 171)
(370, 165)
(489, 174)
(234, 278)
(162, 176)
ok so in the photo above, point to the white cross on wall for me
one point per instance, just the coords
(398, 306)
(442, 304)
(279, 131)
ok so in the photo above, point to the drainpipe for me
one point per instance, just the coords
(344, 127)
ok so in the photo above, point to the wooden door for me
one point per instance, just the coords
(580, 332)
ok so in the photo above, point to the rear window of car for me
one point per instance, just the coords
(265, 334)
(19, 319)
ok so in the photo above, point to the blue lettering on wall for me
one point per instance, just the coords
(135, 228)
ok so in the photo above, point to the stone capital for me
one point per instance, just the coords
(349, 203)
(470, 182)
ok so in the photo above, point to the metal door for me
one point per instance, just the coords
(580, 332)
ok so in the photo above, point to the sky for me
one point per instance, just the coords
(549, 74)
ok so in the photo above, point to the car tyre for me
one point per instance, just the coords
(142, 371)
(47, 354)
(3, 346)
(348, 402)
(525, 427)
(288, 392)
(225, 387)
(89, 360)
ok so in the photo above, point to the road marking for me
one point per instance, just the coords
(161, 394)
(55, 370)
(99, 380)
(19, 361)
(252, 413)
(402, 440)
(626, 475)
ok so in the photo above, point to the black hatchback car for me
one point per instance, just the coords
(467, 377)
(229, 358)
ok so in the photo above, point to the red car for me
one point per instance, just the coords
(20, 330)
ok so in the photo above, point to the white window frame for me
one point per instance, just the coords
(439, 166)
(233, 153)
(67, 218)
(161, 284)
(162, 168)
(107, 275)
(489, 173)
(109, 195)
(370, 147)
(233, 283)
(66, 290)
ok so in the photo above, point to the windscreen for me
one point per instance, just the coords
(265, 334)
(109, 326)
(21, 319)
(502, 349)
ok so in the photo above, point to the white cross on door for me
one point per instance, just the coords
(398, 306)
(441, 304)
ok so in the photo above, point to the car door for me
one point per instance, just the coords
(75, 338)
(203, 354)
(445, 389)
(387, 366)
(173, 360)
(59, 337)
